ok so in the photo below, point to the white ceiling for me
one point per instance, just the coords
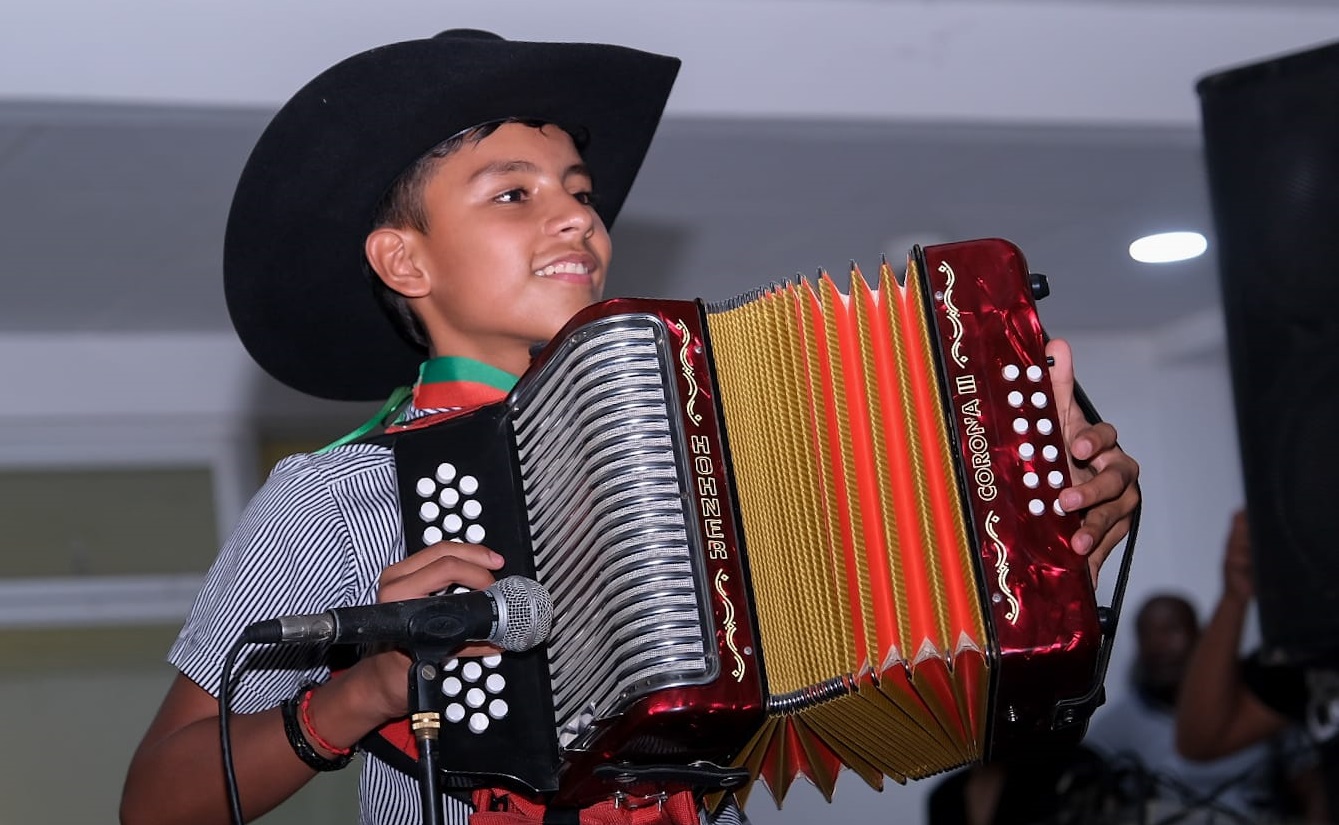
(113, 200)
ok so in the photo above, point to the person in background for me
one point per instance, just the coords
(1136, 735)
(1229, 703)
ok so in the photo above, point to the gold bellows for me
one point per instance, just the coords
(868, 609)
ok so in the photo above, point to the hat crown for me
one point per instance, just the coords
(467, 34)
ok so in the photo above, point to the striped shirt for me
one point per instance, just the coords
(315, 537)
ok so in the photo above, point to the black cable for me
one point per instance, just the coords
(225, 736)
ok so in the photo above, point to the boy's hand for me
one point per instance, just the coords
(431, 570)
(1105, 478)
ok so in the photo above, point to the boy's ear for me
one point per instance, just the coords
(389, 251)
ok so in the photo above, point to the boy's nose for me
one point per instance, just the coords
(571, 216)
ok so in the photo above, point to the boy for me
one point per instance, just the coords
(479, 248)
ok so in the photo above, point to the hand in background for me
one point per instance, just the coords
(1238, 573)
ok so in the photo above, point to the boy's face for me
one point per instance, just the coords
(514, 247)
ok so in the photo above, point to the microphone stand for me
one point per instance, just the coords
(435, 633)
(425, 680)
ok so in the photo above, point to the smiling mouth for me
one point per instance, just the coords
(562, 268)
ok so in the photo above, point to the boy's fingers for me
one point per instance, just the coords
(1062, 371)
(1110, 484)
(477, 553)
(1092, 441)
(1103, 527)
(1110, 538)
(437, 567)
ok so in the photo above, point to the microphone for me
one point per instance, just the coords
(515, 614)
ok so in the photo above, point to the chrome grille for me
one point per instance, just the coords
(596, 448)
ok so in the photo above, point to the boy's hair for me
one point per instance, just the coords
(402, 207)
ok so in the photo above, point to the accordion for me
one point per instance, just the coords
(803, 530)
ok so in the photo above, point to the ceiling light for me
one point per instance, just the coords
(1167, 247)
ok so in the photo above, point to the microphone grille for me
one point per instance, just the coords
(525, 616)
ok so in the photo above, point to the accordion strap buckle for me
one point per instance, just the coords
(699, 776)
(634, 803)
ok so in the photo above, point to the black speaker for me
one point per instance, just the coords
(1271, 144)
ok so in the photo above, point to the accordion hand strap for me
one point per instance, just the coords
(499, 807)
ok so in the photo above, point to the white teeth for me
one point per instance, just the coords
(566, 267)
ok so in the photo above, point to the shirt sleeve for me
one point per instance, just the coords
(292, 552)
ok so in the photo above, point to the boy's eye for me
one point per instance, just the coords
(586, 198)
(511, 196)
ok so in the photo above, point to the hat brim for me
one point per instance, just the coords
(293, 251)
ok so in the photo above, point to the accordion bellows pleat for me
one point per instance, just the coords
(854, 525)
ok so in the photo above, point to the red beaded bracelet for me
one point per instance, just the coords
(311, 731)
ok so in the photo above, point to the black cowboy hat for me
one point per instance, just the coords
(296, 288)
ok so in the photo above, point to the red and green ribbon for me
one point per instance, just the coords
(452, 381)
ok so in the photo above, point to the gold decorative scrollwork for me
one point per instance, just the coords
(952, 312)
(1002, 567)
(721, 578)
(687, 370)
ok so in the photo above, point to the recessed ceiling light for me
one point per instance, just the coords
(1167, 247)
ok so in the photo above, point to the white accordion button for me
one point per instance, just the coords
(469, 485)
(471, 509)
(429, 511)
(1049, 452)
(1020, 425)
(451, 686)
(472, 671)
(497, 708)
(1034, 373)
(475, 698)
(449, 497)
(1036, 507)
(1055, 478)
(1055, 505)
(495, 683)
(425, 487)
(455, 712)
(431, 536)
(1031, 480)
(478, 722)
(1026, 451)
(453, 523)
(1015, 399)
(474, 534)
(1011, 372)
(446, 472)
(1044, 426)
(493, 660)
(1039, 400)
